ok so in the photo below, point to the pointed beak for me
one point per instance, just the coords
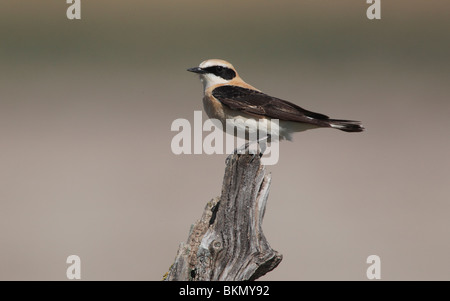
(196, 70)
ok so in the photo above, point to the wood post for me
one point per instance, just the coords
(228, 243)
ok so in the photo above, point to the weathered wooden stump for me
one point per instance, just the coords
(228, 243)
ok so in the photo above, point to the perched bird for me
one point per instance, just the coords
(227, 96)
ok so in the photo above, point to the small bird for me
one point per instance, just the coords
(227, 96)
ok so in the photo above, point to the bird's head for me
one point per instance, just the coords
(214, 71)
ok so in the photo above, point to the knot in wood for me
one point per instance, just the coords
(217, 245)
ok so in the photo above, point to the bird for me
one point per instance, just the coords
(228, 96)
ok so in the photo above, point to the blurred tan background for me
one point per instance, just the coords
(86, 107)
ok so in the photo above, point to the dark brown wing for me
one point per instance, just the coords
(255, 102)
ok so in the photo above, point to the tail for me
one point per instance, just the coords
(346, 125)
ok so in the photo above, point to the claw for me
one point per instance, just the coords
(242, 150)
(261, 147)
(254, 156)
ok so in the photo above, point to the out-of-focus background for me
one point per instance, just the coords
(86, 107)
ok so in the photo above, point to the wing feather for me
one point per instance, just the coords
(255, 102)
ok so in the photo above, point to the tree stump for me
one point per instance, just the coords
(228, 243)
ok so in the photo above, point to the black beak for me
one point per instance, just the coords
(196, 70)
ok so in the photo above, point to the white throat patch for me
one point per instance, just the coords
(209, 80)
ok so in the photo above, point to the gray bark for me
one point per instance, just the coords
(228, 243)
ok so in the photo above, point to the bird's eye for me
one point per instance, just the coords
(219, 68)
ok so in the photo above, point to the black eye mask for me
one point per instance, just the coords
(223, 72)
